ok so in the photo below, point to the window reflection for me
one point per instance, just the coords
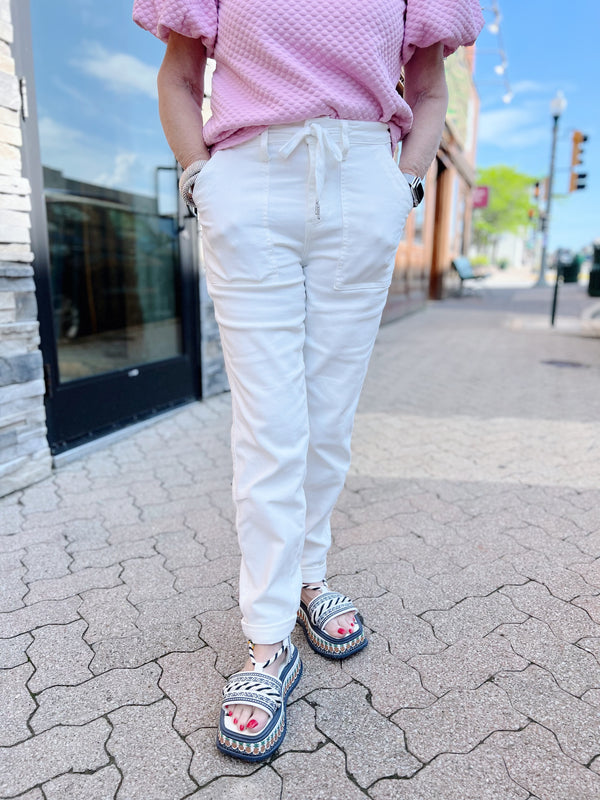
(110, 187)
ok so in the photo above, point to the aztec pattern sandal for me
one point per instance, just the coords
(324, 607)
(264, 691)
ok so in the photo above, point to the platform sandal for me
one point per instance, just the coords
(267, 692)
(324, 607)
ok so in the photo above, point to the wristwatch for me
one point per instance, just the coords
(415, 184)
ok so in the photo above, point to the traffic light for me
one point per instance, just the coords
(577, 154)
(577, 179)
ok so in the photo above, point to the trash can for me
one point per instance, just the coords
(594, 282)
(570, 271)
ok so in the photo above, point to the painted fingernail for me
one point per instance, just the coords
(341, 630)
(253, 723)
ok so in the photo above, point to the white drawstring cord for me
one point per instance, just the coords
(322, 143)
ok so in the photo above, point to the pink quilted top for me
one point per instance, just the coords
(281, 62)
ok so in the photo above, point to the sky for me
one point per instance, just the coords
(98, 116)
(95, 85)
(550, 46)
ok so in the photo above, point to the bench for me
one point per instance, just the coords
(462, 266)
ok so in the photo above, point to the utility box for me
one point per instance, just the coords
(594, 282)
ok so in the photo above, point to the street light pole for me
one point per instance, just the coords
(557, 106)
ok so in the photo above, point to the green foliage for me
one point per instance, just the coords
(508, 206)
(480, 260)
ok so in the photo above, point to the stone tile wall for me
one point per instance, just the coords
(24, 452)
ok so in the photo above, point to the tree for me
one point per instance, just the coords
(508, 205)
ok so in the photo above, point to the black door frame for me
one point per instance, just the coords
(86, 408)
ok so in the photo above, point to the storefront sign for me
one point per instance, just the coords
(481, 196)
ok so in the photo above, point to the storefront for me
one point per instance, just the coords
(440, 228)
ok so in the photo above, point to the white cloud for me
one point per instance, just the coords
(53, 135)
(92, 160)
(529, 87)
(84, 102)
(539, 87)
(121, 72)
(513, 127)
(121, 172)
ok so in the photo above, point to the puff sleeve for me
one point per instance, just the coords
(196, 19)
(453, 22)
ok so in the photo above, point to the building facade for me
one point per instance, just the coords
(24, 451)
(440, 229)
(104, 315)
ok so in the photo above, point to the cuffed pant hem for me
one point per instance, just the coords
(268, 634)
(314, 574)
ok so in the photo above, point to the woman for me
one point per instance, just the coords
(302, 208)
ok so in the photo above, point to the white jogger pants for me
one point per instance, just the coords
(299, 227)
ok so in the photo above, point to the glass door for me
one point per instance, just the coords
(115, 257)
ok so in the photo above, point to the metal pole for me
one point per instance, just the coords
(555, 295)
(541, 281)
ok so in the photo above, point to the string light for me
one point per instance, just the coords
(495, 28)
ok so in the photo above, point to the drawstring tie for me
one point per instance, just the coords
(317, 135)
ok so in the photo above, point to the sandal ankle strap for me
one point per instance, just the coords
(264, 664)
(321, 585)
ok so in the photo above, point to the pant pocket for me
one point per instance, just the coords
(232, 203)
(376, 202)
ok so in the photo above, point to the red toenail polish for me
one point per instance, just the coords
(253, 723)
(241, 727)
(341, 630)
(235, 721)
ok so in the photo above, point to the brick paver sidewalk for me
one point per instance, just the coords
(469, 534)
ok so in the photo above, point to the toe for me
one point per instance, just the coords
(232, 714)
(257, 721)
(246, 719)
(245, 714)
(342, 626)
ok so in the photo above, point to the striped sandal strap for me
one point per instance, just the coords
(260, 665)
(327, 605)
(254, 689)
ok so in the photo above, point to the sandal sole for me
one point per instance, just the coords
(329, 647)
(248, 748)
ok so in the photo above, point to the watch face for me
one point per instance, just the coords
(416, 188)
